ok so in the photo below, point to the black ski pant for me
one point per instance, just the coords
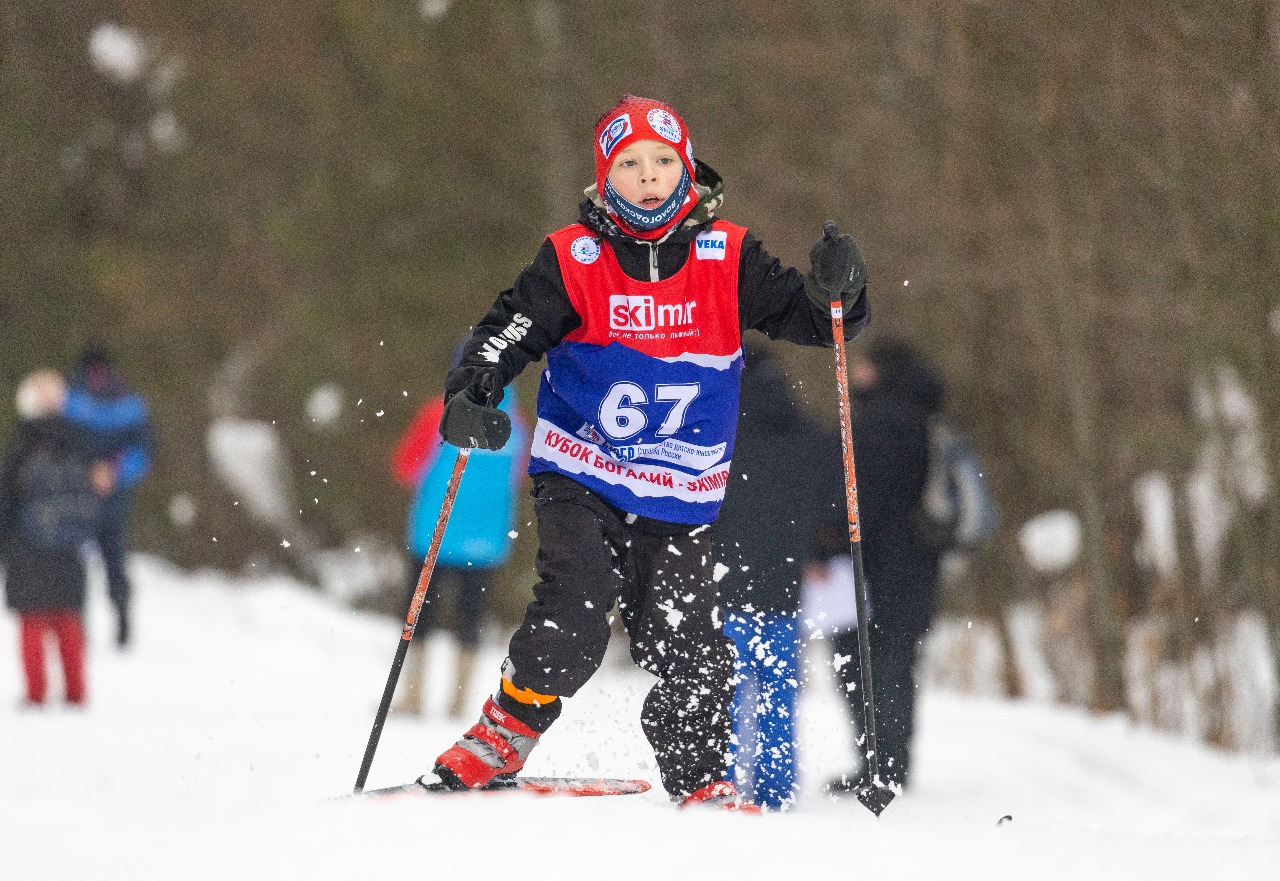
(893, 658)
(588, 558)
(113, 543)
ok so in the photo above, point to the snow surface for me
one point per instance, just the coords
(210, 750)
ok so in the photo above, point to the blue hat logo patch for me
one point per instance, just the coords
(613, 133)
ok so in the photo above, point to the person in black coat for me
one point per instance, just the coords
(785, 484)
(895, 393)
(50, 486)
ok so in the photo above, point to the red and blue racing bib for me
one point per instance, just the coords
(640, 403)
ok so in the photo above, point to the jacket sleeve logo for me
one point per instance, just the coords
(517, 330)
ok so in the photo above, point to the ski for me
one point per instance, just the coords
(540, 786)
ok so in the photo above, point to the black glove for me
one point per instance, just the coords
(471, 415)
(838, 271)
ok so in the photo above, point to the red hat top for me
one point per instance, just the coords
(637, 119)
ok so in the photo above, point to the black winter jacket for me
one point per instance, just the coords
(891, 450)
(787, 483)
(771, 297)
(38, 579)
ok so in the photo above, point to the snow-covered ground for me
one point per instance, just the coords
(209, 751)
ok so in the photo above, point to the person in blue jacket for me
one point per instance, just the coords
(477, 541)
(117, 418)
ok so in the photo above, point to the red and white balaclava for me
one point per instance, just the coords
(637, 119)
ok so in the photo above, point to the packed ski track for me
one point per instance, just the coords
(212, 750)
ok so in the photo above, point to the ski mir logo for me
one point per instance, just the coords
(641, 313)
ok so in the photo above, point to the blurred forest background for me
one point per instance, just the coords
(282, 216)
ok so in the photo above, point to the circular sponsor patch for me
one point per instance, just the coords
(585, 249)
(662, 122)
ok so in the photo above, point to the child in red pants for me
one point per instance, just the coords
(64, 625)
(50, 496)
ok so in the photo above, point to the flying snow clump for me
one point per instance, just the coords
(117, 52)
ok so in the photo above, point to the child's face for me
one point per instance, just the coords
(646, 173)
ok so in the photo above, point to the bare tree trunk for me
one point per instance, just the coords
(1073, 303)
(1196, 298)
(1265, 120)
(557, 163)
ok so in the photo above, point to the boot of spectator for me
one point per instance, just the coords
(462, 675)
(409, 695)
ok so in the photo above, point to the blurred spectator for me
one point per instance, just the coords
(895, 394)
(51, 491)
(101, 401)
(786, 481)
(478, 539)
(829, 618)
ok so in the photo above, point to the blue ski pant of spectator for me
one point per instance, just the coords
(114, 545)
(767, 668)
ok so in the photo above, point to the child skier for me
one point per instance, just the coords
(640, 309)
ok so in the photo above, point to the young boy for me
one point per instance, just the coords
(640, 309)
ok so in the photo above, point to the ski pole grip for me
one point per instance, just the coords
(829, 230)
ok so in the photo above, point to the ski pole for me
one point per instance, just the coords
(873, 794)
(411, 619)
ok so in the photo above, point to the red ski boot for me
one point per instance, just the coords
(723, 795)
(493, 749)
